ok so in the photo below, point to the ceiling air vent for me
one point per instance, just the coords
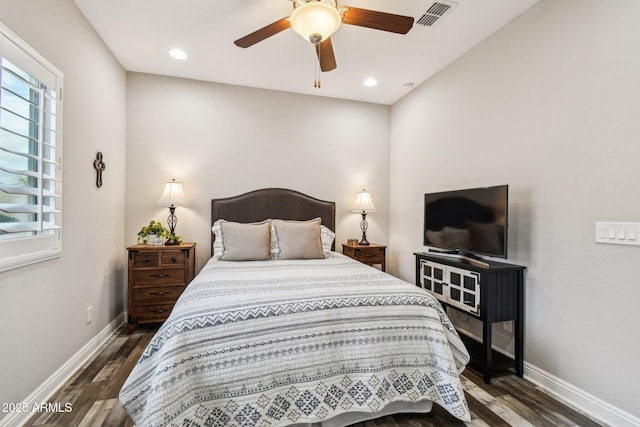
(435, 13)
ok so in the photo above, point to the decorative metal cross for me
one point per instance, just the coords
(99, 166)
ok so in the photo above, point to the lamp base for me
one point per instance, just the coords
(363, 227)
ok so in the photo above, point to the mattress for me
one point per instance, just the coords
(286, 342)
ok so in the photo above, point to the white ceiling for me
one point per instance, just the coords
(141, 32)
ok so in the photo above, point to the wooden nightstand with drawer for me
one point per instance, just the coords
(157, 277)
(368, 254)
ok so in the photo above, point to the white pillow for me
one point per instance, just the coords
(218, 246)
(327, 237)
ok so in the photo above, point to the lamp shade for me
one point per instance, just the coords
(316, 19)
(364, 202)
(173, 195)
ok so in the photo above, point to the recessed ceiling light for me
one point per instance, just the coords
(178, 54)
(370, 82)
(407, 86)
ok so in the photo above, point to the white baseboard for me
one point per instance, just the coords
(579, 399)
(52, 384)
(573, 396)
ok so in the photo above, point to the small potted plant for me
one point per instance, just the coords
(152, 234)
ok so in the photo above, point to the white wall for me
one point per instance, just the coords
(222, 140)
(548, 105)
(42, 307)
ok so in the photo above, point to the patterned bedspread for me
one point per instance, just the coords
(272, 343)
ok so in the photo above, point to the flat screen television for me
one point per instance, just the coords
(468, 222)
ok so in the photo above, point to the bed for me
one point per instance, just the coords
(292, 339)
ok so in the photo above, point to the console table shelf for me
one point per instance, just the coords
(494, 293)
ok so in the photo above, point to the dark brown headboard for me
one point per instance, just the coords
(276, 203)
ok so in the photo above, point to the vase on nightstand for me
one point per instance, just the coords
(154, 240)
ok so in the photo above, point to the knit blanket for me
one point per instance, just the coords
(274, 343)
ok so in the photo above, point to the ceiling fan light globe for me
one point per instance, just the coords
(316, 18)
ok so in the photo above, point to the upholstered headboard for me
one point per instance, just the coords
(276, 203)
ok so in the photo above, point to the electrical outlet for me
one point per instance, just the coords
(508, 326)
(89, 314)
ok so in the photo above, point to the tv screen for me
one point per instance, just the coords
(468, 221)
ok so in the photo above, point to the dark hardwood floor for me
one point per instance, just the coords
(93, 395)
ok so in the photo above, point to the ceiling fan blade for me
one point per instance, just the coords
(263, 33)
(326, 57)
(377, 20)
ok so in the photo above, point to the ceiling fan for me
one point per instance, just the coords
(317, 20)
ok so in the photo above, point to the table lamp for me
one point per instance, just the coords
(363, 205)
(172, 196)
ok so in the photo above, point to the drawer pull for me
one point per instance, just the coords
(370, 255)
(159, 275)
(158, 311)
(146, 259)
(174, 259)
(158, 293)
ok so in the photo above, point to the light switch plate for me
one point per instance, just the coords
(617, 233)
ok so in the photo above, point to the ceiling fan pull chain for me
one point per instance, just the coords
(316, 70)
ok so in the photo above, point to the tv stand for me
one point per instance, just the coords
(494, 293)
(461, 255)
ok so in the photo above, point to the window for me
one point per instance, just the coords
(30, 155)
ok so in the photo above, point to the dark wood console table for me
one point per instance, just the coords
(490, 294)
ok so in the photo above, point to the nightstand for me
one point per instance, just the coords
(157, 277)
(368, 254)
